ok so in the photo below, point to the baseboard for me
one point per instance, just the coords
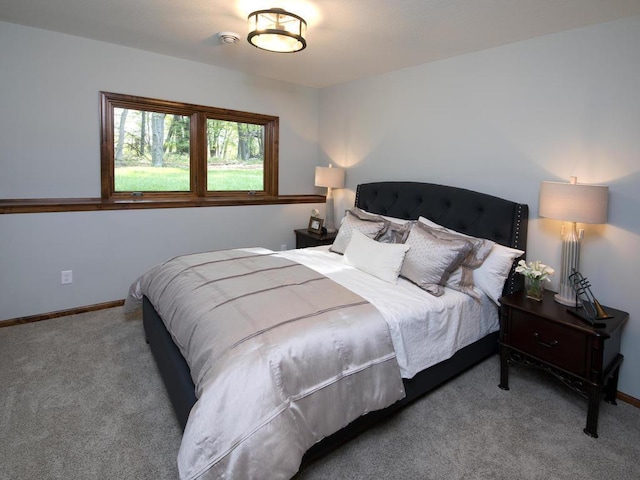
(60, 313)
(628, 399)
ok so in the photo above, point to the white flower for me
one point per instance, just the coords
(536, 270)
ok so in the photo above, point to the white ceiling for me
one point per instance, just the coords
(347, 39)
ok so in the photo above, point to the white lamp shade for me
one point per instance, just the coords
(329, 177)
(572, 202)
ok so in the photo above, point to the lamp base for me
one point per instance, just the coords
(570, 259)
(329, 222)
(566, 296)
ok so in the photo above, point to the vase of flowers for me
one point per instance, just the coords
(535, 274)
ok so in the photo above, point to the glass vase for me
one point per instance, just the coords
(534, 288)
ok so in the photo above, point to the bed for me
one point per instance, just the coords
(471, 213)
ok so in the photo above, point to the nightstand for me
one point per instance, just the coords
(305, 238)
(545, 335)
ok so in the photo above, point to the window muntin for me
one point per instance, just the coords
(171, 149)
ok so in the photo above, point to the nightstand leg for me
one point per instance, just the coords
(595, 394)
(611, 389)
(504, 368)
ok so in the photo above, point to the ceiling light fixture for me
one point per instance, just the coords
(277, 30)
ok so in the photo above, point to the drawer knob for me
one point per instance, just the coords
(550, 344)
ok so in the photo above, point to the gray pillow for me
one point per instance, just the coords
(431, 259)
(395, 233)
(480, 250)
(461, 278)
(356, 219)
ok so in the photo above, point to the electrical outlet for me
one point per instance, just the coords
(283, 246)
(66, 277)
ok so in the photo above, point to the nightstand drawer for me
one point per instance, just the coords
(558, 345)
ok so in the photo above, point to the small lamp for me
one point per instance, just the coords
(572, 203)
(331, 178)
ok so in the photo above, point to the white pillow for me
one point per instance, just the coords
(493, 272)
(382, 260)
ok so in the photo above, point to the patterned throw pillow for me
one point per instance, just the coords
(356, 219)
(431, 260)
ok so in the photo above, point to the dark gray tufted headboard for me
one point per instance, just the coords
(466, 211)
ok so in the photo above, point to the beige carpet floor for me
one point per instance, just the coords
(81, 398)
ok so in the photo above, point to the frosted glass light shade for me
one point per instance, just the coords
(329, 177)
(277, 30)
(572, 202)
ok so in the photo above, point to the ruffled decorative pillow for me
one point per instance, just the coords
(357, 220)
(395, 232)
(462, 278)
(397, 228)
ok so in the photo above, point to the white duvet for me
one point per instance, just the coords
(425, 330)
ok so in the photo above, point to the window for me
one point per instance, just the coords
(160, 149)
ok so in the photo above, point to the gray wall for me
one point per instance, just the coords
(501, 121)
(49, 147)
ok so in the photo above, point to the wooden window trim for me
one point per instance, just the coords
(43, 205)
(198, 115)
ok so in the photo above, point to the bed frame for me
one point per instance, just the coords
(465, 211)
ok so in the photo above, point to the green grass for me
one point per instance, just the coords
(167, 179)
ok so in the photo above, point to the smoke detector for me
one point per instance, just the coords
(229, 38)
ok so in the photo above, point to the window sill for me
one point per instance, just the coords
(40, 205)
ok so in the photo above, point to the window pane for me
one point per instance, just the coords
(235, 156)
(151, 151)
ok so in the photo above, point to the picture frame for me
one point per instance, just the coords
(315, 225)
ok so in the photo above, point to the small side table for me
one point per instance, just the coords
(545, 335)
(305, 238)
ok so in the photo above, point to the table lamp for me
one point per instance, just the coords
(331, 178)
(573, 203)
